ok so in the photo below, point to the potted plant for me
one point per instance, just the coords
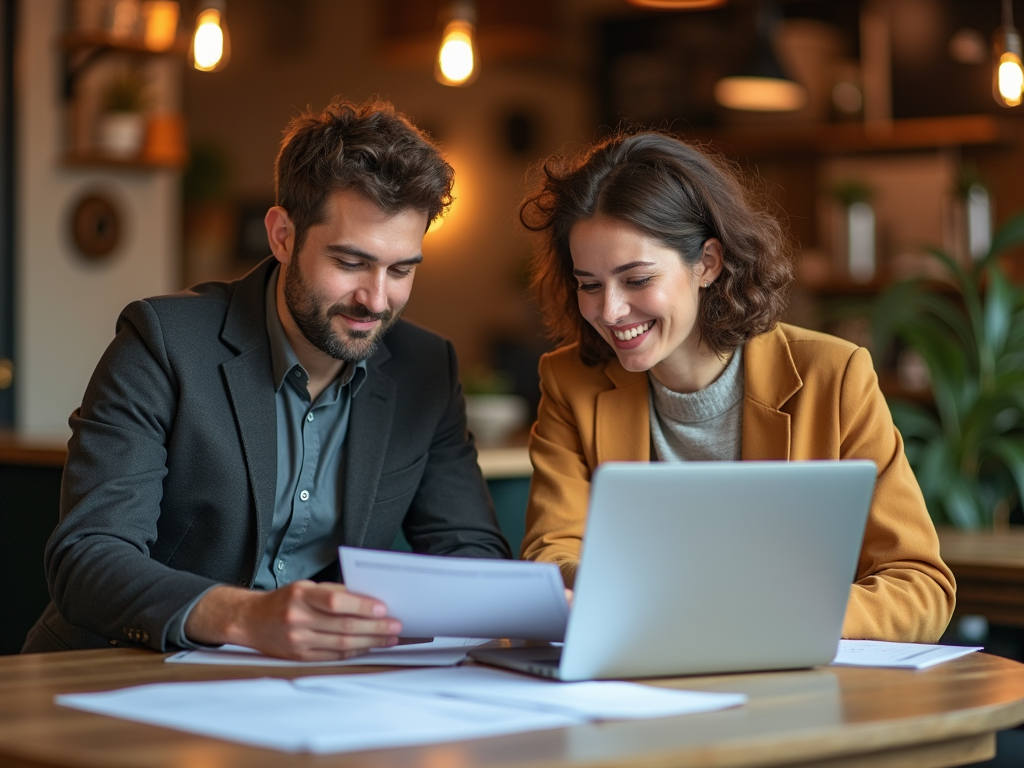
(493, 413)
(967, 451)
(122, 123)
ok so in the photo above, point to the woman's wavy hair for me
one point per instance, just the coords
(678, 195)
(368, 147)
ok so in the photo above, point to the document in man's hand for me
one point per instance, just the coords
(461, 597)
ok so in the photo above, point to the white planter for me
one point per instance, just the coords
(860, 240)
(493, 418)
(121, 134)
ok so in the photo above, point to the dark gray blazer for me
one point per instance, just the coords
(170, 480)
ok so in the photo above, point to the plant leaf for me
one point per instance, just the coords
(915, 422)
(962, 504)
(1011, 452)
(1008, 235)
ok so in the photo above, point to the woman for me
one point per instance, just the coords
(665, 281)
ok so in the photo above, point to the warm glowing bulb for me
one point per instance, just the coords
(208, 43)
(1011, 78)
(759, 94)
(456, 60)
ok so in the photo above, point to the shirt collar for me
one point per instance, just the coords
(282, 357)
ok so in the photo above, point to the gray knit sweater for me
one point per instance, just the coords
(699, 426)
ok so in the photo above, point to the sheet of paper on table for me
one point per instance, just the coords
(874, 653)
(461, 597)
(392, 709)
(439, 652)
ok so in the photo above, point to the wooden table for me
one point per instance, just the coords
(989, 571)
(837, 717)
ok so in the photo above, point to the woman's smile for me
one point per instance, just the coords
(631, 336)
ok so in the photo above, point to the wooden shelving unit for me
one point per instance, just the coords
(80, 51)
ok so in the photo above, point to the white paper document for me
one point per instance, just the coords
(351, 712)
(874, 653)
(281, 715)
(461, 597)
(595, 700)
(439, 652)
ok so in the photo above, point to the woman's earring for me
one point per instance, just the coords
(705, 283)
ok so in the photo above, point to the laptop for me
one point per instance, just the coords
(693, 568)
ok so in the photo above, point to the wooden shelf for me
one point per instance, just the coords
(32, 451)
(95, 160)
(857, 137)
(843, 286)
(83, 49)
(77, 41)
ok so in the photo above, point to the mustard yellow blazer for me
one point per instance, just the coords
(807, 396)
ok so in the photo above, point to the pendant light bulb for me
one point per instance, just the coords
(210, 42)
(761, 86)
(1007, 71)
(457, 57)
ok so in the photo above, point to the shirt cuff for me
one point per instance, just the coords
(176, 627)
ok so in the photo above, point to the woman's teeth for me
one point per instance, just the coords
(632, 333)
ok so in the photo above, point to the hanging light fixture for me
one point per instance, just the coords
(1007, 72)
(678, 5)
(457, 57)
(211, 46)
(762, 86)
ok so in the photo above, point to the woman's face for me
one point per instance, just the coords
(643, 298)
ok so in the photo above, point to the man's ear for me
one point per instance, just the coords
(280, 233)
(711, 258)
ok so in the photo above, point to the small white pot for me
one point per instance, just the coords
(121, 134)
(493, 418)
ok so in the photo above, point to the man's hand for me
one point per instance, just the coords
(304, 621)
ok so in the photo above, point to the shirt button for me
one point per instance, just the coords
(309, 417)
(280, 565)
(304, 495)
(298, 374)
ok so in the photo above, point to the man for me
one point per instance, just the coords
(234, 435)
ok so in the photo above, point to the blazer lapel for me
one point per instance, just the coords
(622, 426)
(250, 385)
(249, 379)
(366, 445)
(770, 378)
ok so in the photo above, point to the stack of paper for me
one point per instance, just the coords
(350, 712)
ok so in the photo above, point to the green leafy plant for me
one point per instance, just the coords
(968, 451)
(850, 191)
(482, 380)
(127, 91)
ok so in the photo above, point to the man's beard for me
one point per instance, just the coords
(314, 321)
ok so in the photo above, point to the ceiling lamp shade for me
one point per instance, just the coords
(1007, 71)
(678, 5)
(761, 86)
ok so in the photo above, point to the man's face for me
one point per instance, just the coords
(352, 278)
